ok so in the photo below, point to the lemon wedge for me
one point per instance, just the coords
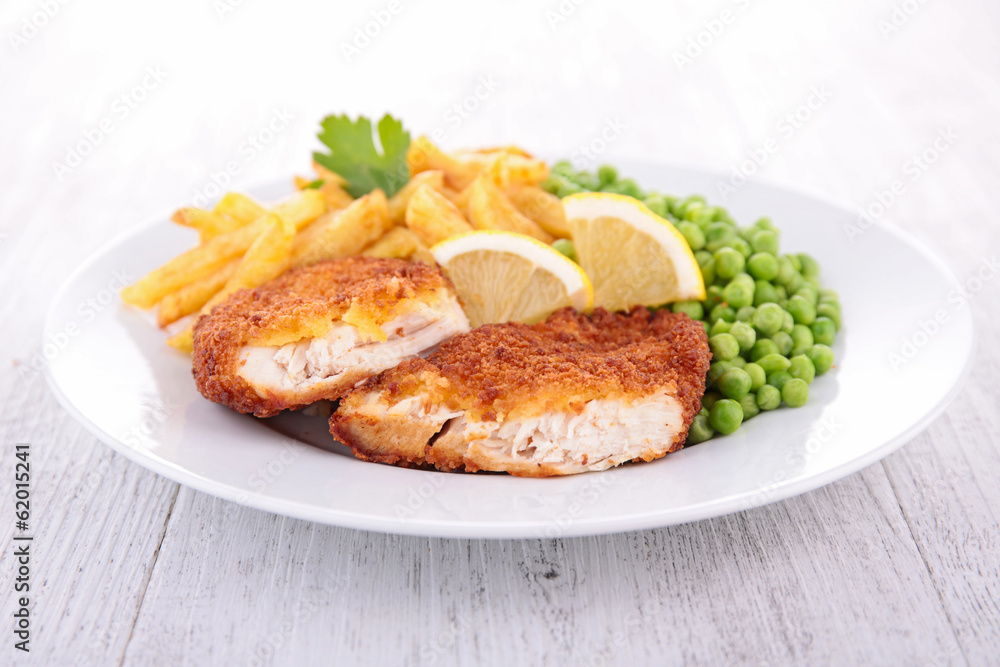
(632, 256)
(509, 277)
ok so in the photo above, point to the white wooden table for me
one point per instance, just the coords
(897, 564)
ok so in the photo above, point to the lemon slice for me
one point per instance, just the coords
(508, 277)
(632, 256)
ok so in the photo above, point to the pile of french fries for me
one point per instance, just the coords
(244, 244)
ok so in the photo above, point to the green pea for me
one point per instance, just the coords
(705, 326)
(810, 267)
(723, 215)
(692, 309)
(781, 292)
(830, 311)
(787, 322)
(718, 235)
(822, 358)
(745, 314)
(795, 393)
(713, 296)
(758, 378)
(607, 173)
(720, 327)
(735, 383)
(724, 346)
(801, 309)
(773, 363)
(795, 283)
(588, 181)
(768, 318)
(808, 292)
(748, 403)
(726, 416)
(742, 246)
(765, 241)
(778, 379)
(801, 367)
(552, 183)
(786, 270)
(715, 371)
(802, 339)
(765, 293)
(763, 266)
(692, 234)
(765, 223)
(568, 188)
(824, 330)
(566, 248)
(723, 312)
(762, 348)
(796, 262)
(738, 362)
(563, 168)
(744, 335)
(702, 256)
(630, 188)
(728, 263)
(768, 397)
(737, 294)
(700, 431)
(657, 205)
(709, 399)
(784, 343)
(828, 294)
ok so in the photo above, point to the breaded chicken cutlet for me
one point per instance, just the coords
(572, 394)
(314, 333)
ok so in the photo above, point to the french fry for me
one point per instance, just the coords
(399, 201)
(201, 262)
(238, 210)
(267, 258)
(301, 208)
(398, 242)
(328, 176)
(195, 264)
(509, 169)
(343, 233)
(183, 341)
(207, 223)
(460, 198)
(489, 208)
(336, 197)
(423, 155)
(190, 298)
(432, 217)
(544, 208)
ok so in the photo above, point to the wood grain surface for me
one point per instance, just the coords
(895, 565)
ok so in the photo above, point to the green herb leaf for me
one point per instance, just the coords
(314, 185)
(354, 156)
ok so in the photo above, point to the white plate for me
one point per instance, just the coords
(111, 369)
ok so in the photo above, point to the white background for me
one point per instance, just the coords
(896, 564)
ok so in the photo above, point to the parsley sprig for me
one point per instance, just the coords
(355, 157)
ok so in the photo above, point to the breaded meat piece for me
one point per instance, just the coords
(572, 394)
(313, 333)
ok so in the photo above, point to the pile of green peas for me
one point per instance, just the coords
(771, 325)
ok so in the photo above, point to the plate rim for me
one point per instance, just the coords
(418, 527)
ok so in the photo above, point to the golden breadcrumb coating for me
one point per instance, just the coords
(511, 371)
(302, 303)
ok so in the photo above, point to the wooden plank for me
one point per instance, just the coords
(784, 583)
